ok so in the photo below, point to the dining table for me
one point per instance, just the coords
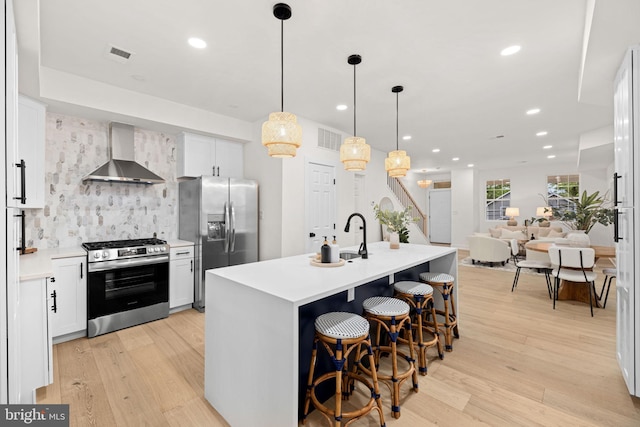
(576, 290)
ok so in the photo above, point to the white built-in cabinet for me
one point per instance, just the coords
(34, 320)
(68, 290)
(26, 164)
(181, 275)
(199, 155)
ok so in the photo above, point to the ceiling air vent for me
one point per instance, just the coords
(118, 54)
(328, 139)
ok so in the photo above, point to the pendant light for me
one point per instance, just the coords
(398, 163)
(281, 134)
(424, 183)
(354, 152)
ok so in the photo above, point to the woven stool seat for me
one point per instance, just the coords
(342, 325)
(413, 288)
(385, 306)
(430, 277)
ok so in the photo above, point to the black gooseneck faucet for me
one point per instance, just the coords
(363, 246)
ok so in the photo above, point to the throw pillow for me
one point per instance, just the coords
(554, 233)
(506, 234)
(543, 231)
(482, 234)
(495, 232)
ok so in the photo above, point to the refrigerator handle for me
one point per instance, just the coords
(233, 228)
(226, 228)
(616, 223)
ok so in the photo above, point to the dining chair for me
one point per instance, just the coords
(574, 265)
(609, 273)
(543, 266)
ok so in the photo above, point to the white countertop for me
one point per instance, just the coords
(37, 265)
(176, 243)
(294, 279)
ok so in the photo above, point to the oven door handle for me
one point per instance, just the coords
(110, 265)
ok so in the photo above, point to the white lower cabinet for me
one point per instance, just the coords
(68, 288)
(181, 276)
(36, 360)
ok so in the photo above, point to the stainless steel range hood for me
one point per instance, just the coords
(122, 166)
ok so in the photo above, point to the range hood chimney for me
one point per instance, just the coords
(122, 167)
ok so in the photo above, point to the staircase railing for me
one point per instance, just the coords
(406, 200)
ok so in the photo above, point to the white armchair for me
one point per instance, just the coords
(488, 249)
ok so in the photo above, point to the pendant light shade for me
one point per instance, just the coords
(424, 183)
(282, 134)
(398, 163)
(354, 152)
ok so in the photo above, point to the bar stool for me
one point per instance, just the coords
(609, 273)
(340, 333)
(444, 283)
(391, 314)
(420, 297)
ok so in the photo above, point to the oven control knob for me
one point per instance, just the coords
(163, 249)
(105, 254)
(96, 255)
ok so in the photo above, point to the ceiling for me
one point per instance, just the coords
(460, 95)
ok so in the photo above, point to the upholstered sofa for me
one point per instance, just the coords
(540, 234)
(488, 249)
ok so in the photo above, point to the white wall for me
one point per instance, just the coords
(463, 206)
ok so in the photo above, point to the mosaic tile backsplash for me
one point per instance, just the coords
(75, 212)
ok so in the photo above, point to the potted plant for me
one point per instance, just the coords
(396, 222)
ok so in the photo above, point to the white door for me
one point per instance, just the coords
(321, 211)
(626, 326)
(440, 216)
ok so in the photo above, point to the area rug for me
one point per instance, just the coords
(509, 267)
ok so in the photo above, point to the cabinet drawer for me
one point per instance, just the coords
(181, 252)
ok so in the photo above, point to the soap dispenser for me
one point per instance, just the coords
(335, 251)
(325, 251)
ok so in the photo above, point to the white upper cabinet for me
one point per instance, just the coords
(26, 184)
(202, 155)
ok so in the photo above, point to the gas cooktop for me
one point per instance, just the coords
(120, 249)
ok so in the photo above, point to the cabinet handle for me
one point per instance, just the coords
(23, 244)
(218, 169)
(54, 307)
(214, 171)
(192, 266)
(182, 253)
(82, 270)
(23, 182)
(52, 279)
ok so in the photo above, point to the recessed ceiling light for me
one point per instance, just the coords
(470, 165)
(546, 147)
(435, 150)
(455, 159)
(341, 107)
(542, 133)
(510, 50)
(551, 156)
(406, 137)
(197, 43)
(533, 111)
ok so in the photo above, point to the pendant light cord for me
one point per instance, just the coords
(354, 100)
(282, 65)
(397, 114)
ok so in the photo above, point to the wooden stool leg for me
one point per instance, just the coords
(312, 365)
(374, 377)
(452, 300)
(422, 349)
(436, 328)
(339, 364)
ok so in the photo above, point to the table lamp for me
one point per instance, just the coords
(545, 212)
(512, 212)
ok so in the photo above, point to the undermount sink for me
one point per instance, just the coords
(349, 255)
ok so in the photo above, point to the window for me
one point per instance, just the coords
(563, 191)
(498, 196)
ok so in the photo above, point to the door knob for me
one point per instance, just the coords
(312, 234)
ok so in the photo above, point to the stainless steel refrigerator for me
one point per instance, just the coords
(220, 215)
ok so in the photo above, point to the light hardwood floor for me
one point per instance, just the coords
(517, 362)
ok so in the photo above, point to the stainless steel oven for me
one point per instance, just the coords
(127, 283)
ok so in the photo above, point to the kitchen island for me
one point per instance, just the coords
(259, 323)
